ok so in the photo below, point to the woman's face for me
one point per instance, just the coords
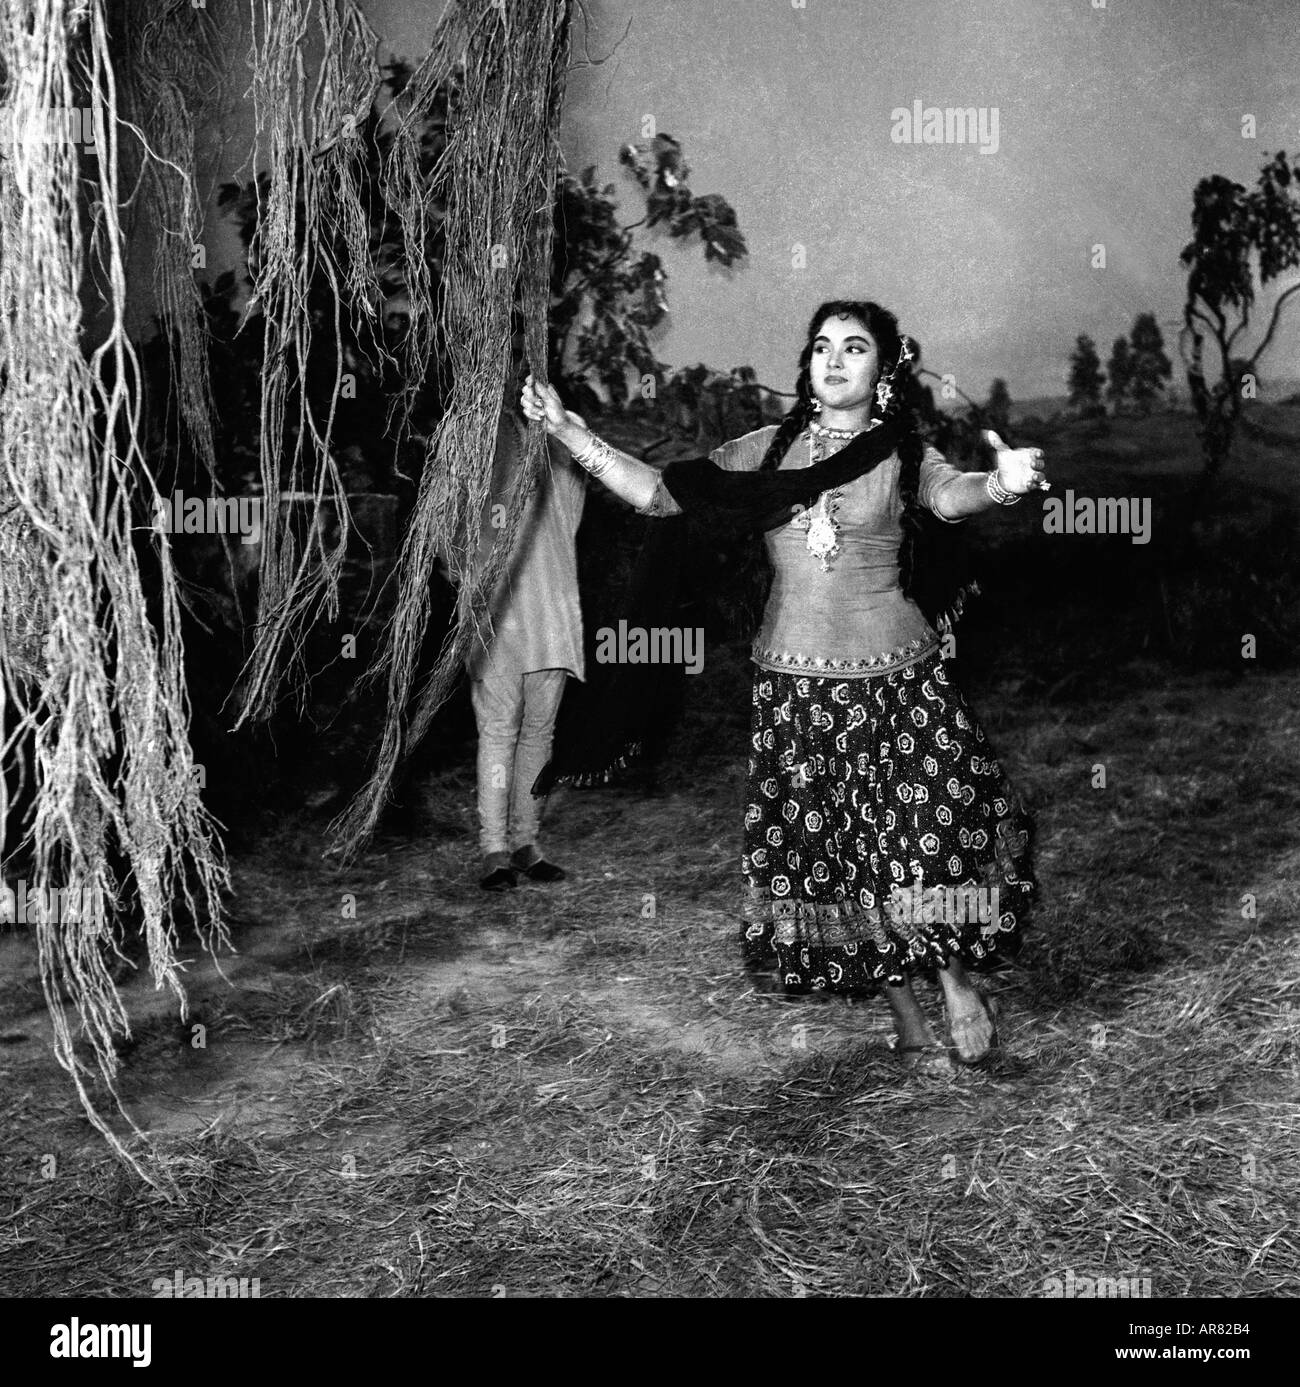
(845, 363)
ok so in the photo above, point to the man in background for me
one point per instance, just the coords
(533, 642)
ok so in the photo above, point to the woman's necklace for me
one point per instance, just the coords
(818, 522)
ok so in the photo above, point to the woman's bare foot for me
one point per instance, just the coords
(917, 1046)
(928, 1059)
(970, 1019)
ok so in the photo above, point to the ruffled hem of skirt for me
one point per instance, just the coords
(860, 967)
(842, 946)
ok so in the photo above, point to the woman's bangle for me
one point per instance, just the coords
(999, 492)
(597, 457)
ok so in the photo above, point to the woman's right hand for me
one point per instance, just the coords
(540, 401)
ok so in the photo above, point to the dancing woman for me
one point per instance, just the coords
(872, 790)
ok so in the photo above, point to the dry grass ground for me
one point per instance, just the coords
(575, 1090)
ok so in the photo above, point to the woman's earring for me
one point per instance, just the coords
(816, 405)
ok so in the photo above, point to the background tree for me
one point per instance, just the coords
(1236, 236)
(1086, 376)
(747, 399)
(1149, 367)
(1119, 369)
(606, 297)
(998, 408)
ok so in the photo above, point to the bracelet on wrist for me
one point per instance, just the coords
(596, 457)
(999, 492)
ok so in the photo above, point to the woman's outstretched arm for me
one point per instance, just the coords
(629, 478)
(1019, 471)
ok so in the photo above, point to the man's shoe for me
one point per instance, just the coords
(498, 873)
(544, 871)
(535, 867)
(499, 879)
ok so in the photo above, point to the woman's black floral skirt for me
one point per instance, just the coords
(881, 836)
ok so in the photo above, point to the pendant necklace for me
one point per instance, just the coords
(818, 522)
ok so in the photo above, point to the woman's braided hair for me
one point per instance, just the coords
(895, 370)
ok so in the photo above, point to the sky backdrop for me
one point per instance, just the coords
(1107, 118)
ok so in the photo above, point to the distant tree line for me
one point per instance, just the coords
(1135, 376)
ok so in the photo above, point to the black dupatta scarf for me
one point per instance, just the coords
(759, 501)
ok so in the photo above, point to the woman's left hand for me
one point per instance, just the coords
(1020, 470)
(540, 401)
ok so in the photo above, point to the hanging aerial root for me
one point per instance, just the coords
(310, 222)
(493, 187)
(170, 74)
(91, 679)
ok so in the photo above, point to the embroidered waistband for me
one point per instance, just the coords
(791, 662)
